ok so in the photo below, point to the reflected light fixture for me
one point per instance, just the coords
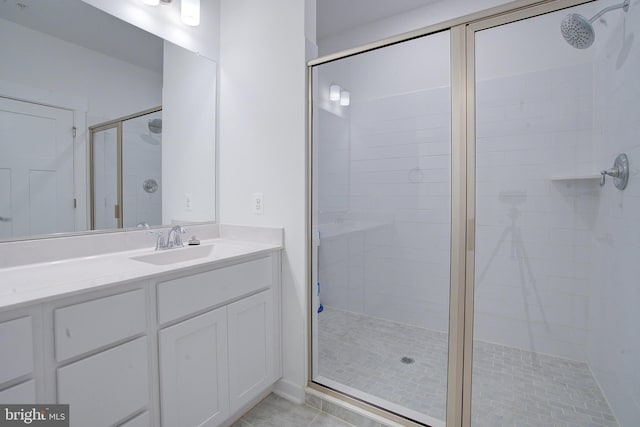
(190, 12)
(334, 92)
(345, 98)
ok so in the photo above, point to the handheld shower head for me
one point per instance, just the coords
(578, 31)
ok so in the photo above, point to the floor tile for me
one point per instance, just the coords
(510, 385)
(274, 411)
(326, 420)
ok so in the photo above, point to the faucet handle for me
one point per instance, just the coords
(175, 238)
(159, 239)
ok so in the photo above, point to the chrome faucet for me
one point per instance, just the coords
(174, 238)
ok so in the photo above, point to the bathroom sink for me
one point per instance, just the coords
(172, 256)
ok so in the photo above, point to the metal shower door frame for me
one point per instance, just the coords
(463, 195)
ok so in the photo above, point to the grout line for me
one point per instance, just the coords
(313, 419)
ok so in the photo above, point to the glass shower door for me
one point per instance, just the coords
(381, 224)
(555, 292)
(142, 170)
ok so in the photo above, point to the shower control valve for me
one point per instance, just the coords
(619, 171)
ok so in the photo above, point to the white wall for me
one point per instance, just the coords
(433, 13)
(614, 347)
(112, 88)
(188, 136)
(262, 146)
(164, 22)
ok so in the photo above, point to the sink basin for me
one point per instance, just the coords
(172, 256)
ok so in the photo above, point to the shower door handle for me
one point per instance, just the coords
(5, 219)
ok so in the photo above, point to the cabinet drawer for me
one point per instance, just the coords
(108, 387)
(16, 344)
(90, 325)
(186, 295)
(21, 393)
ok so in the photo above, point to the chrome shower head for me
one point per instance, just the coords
(155, 125)
(577, 31)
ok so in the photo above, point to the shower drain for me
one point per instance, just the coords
(407, 360)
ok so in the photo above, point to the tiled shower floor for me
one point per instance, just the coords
(511, 387)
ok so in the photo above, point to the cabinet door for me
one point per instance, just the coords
(251, 348)
(16, 342)
(19, 394)
(193, 371)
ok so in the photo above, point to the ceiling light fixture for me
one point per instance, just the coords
(151, 2)
(190, 12)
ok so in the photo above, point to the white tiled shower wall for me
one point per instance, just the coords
(614, 314)
(398, 205)
(533, 232)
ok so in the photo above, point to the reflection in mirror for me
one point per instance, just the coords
(60, 85)
(125, 171)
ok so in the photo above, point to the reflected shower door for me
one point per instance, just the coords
(381, 222)
(551, 324)
(142, 170)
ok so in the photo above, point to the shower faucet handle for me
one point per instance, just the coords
(614, 172)
(619, 171)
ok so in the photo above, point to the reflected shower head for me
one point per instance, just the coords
(578, 31)
(155, 125)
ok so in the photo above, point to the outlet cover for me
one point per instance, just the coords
(257, 203)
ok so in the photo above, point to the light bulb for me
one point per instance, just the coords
(345, 98)
(190, 12)
(334, 92)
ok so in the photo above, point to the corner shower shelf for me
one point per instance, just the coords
(586, 177)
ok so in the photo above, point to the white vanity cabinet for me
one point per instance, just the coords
(193, 346)
(216, 363)
(17, 360)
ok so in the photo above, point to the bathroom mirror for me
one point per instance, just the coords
(70, 72)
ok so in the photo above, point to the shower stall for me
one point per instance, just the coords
(473, 213)
(125, 171)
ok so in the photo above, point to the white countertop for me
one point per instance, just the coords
(40, 282)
